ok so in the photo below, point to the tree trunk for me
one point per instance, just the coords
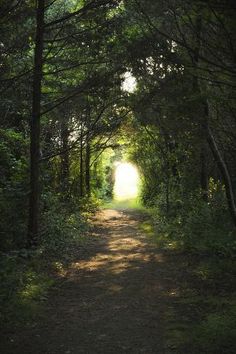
(35, 128)
(224, 172)
(88, 150)
(81, 166)
(65, 165)
(87, 168)
(204, 174)
(167, 196)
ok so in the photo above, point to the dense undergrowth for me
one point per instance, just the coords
(26, 276)
(201, 228)
(176, 121)
(203, 235)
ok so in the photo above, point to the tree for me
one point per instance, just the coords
(188, 42)
(35, 126)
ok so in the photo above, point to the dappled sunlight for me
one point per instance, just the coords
(174, 292)
(59, 268)
(124, 244)
(120, 254)
(35, 288)
(126, 182)
(93, 264)
(122, 268)
(118, 282)
(115, 288)
(30, 291)
(129, 82)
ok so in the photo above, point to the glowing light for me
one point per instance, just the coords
(126, 181)
(129, 84)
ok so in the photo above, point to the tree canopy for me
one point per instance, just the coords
(89, 83)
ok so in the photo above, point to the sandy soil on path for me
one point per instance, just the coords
(113, 300)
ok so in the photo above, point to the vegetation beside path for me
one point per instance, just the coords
(87, 85)
(27, 276)
(202, 315)
(192, 294)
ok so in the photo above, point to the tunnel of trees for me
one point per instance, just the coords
(63, 105)
(85, 83)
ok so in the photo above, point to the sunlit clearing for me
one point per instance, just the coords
(129, 84)
(126, 182)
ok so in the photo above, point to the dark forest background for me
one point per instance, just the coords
(67, 115)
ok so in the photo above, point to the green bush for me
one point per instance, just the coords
(216, 334)
(61, 227)
(13, 189)
(24, 284)
(197, 226)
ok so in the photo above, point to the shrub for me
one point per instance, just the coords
(197, 226)
(61, 227)
(216, 334)
(13, 189)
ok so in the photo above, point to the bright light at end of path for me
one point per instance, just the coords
(126, 181)
(129, 83)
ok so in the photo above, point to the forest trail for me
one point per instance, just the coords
(115, 297)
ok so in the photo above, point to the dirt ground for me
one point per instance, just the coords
(115, 298)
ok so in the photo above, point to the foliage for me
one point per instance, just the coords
(216, 334)
(213, 332)
(61, 230)
(24, 287)
(199, 228)
(178, 124)
(27, 275)
(13, 188)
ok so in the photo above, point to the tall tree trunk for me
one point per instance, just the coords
(223, 170)
(197, 88)
(65, 165)
(87, 168)
(35, 128)
(204, 174)
(81, 166)
(167, 185)
(88, 150)
(209, 135)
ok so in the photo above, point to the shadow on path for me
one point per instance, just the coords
(114, 298)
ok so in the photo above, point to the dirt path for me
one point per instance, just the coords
(114, 299)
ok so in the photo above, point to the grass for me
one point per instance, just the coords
(213, 330)
(123, 204)
(202, 318)
(24, 287)
(26, 277)
(161, 239)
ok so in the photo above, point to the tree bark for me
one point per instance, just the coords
(204, 174)
(224, 172)
(65, 164)
(87, 151)
(87, 168)
(81, 166)
(209, 135)
(35, 128)
(167, 196)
